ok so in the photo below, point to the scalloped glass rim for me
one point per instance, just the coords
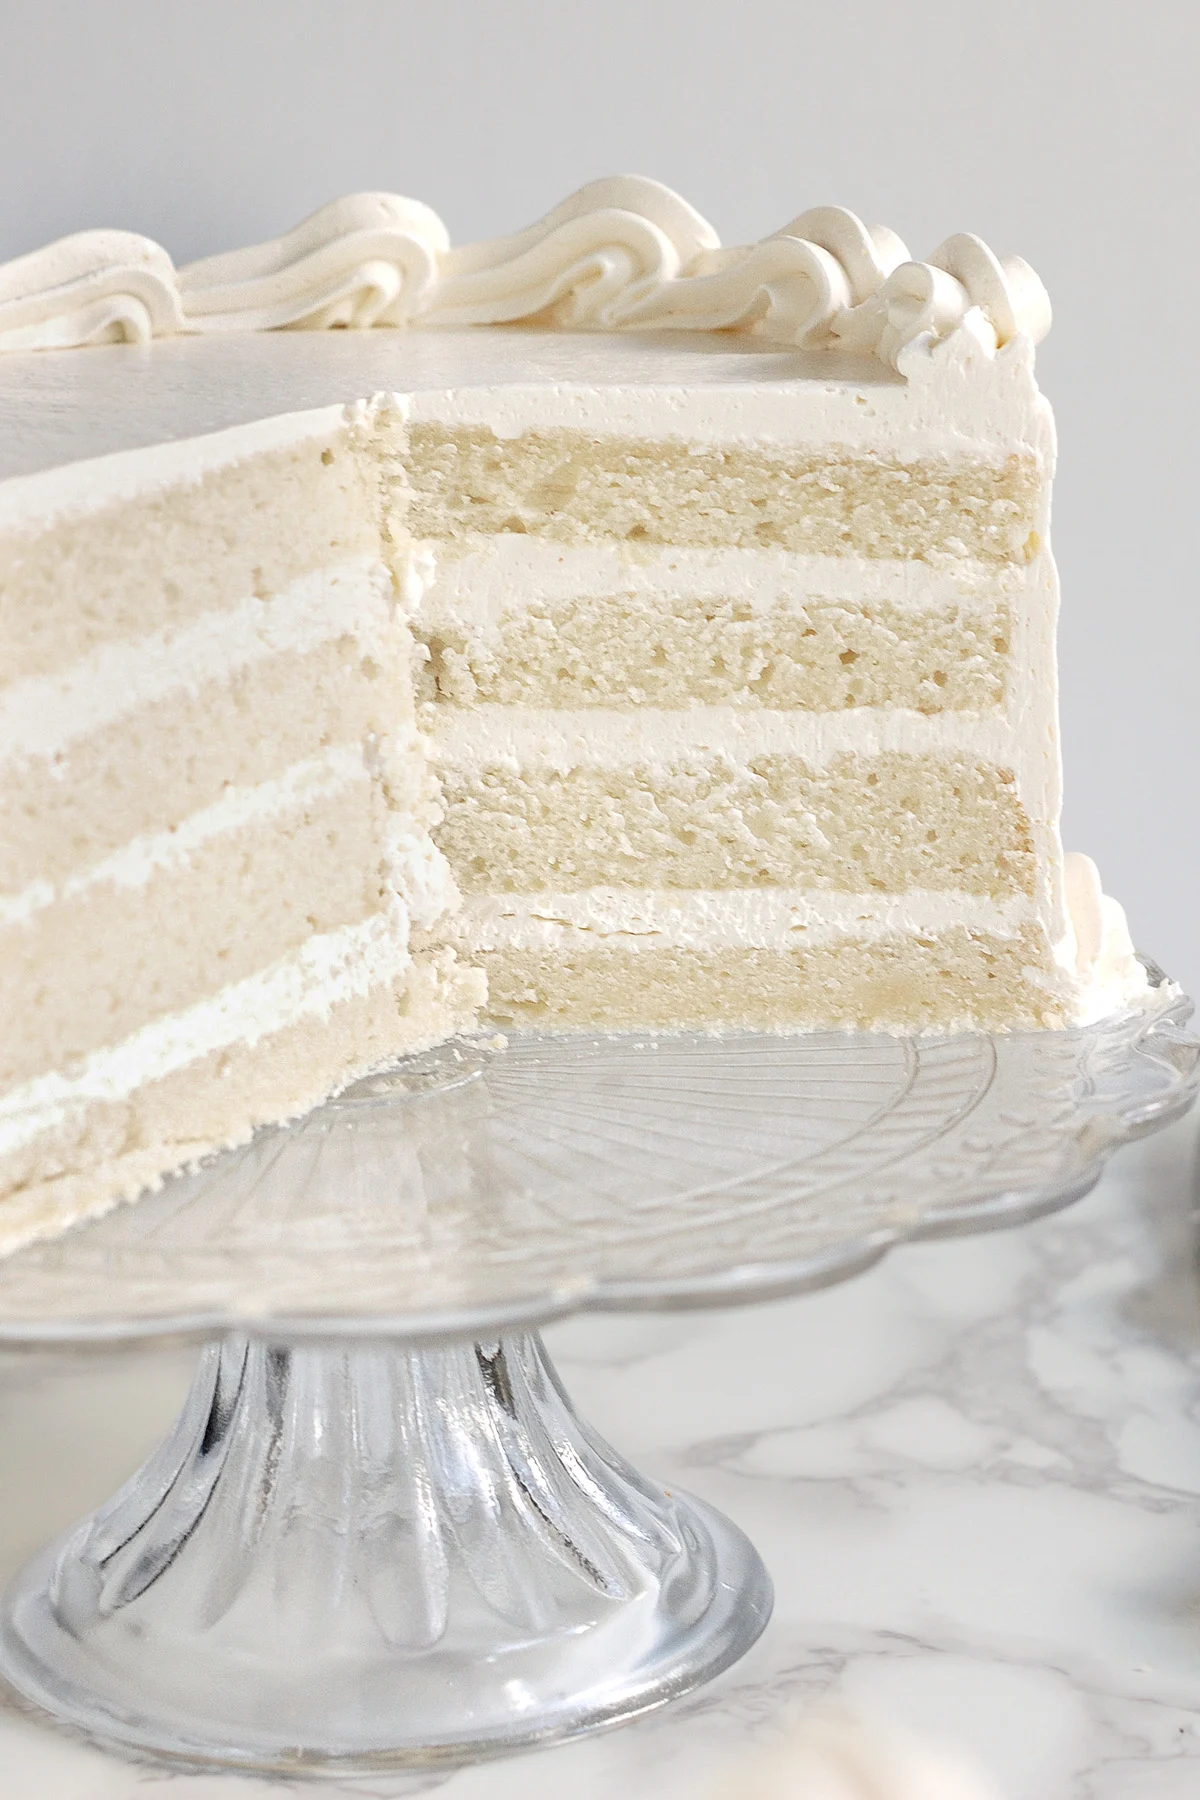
(486, 1187)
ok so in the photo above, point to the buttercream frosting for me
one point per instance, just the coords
(94, 287)
(621, 253)
(136, 862)
(43, 715)
(323, 973)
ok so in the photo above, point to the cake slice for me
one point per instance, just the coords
(668, 642)
(216, 807)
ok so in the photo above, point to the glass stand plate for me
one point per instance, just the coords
(378, 1535)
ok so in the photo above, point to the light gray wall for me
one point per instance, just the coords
(1065, 130)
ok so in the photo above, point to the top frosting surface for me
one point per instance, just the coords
(622, 254)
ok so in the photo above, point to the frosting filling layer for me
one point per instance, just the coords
(321, 974)
(140, 858)
(479, 580)
(43, 715)
(761, 918)
(506, 625)
(600, 737)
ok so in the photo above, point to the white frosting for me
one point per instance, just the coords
(370, 259)
(131, 419)
(323, 973)
(96, 287)
(1096, 946)
(1097, 971)
(566, 738)
(621, 253)
(960, 398)
(133, 865)
(88, 482)
(735, 918)
(500, 577)
(43, 715)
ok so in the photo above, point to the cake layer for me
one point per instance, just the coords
(129, 950)
(896, 982)
(41, 716)
(69, 813)
(158, 560)
(138, 857)
(69, 1149)
(816, 655)
(574, 487)
(322, 975)
(887, 821)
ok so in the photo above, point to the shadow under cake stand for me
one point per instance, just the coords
(378, 1535)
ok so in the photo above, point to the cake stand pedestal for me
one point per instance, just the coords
(378, 1535)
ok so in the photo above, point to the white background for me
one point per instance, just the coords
(1065, 130)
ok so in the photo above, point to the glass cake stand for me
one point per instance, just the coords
(378, 1535)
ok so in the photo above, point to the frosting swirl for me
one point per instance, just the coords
(620, 254)
(370, 259)
(95, 287)
(585, 265)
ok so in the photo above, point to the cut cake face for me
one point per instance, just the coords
(693, 671)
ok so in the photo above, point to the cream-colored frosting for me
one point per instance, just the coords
(489, 579)
(324, 972)
(60, 456)
(1097, 973)
(735, 918)
(43, 715)
(621, 253)
(650, 737)
(95, 287)
(136, 862)
(1097, 946)
(84, 431)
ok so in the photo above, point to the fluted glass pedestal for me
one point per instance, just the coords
(362, 1553)
(378, 1535)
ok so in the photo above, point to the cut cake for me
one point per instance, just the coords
(677, 651)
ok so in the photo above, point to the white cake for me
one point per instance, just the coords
(679, 650)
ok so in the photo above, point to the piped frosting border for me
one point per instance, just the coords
(621, 253)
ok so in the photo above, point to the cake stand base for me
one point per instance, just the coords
(362, 1556)
(361, 1548)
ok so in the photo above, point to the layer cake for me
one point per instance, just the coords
(624, 632)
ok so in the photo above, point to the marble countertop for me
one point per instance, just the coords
(974, 1474)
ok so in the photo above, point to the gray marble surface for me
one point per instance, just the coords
(974, 1474)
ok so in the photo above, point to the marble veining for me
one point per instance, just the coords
(973, 1473)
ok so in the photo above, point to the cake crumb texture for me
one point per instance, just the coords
(954, 979)
(157, 562)
(811, 655)
(885, 824)
(577, 489)
(109, 1150)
